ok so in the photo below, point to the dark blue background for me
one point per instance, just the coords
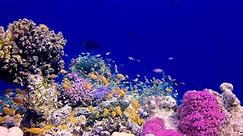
(205, 36)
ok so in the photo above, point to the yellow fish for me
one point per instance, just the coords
(121, 92)
(135, 104)
(129, 110)
(104, 80)
(113, 114)
(118, 110)
(91, 108)
(8, 111)
(121, 76)
(2, 119)
(88, 85)
(35, 130)
(106, 111)
(93, 76)
(48, 127)
(66, 84)
(72, 119)
(134, 117)
(64, 127)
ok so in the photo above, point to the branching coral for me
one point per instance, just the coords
(200, 114)
(28, 49)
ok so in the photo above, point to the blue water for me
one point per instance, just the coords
(205, 37)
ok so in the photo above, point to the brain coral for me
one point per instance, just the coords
(27, 48)
(200, 114)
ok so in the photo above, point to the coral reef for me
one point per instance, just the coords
(29, 49)
(200, 114)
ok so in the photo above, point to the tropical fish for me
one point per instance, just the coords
(106, 111)
(19, 91)
(64, 127)
(66, 84)
(91, 108)
(34, 130)
(18, 101)
(8, 111)
(121, 76)
(113, 114)
(104, 80)
(121, 92)
(53, 76)
(157, 70)
(93, 76)
(72, 119)
(2, 119)
(108, 53)
(88, 85)
(48, 127)
(118, 110)
(135, 104)
(171, 58)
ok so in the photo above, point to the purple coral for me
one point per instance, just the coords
(101, 93)
(77, 94)
(155, 126)
(200, 114)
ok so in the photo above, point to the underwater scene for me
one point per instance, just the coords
(50, 87)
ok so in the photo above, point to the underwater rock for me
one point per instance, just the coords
(60, 116)
(13, 131)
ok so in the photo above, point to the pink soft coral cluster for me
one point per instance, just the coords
(155, 126)
(200, 114)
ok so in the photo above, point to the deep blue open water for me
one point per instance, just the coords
(205, 37)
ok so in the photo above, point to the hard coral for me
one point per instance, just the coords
(200, 114)
(77, 94)
(155, 126)
(29, 49)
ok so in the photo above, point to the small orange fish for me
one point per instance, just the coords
(135, 104)
(63, 71)
(104, 80)
(18, 101)
(8, 111)
(121, 92)
(93, 76)
(88, 85)
(19, 91)
(34, 130)
(121, 76)
(53, 76)
(66, 84)
(2, 119)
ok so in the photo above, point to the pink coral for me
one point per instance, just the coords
(155, 126)
(200, 114)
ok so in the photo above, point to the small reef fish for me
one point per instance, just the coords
(93, 76)
(66, 84)
(53, 76)
(108, 53)
(106, 111)
(130, 58)
(104, 80)
(121, 92)
(35, 130)
(113, 114)
(121, 76)
(63, 71)
(118, 111)
(91, 108)
(88, 85)
(157, 70)
(135, 104)
(72, 119)
(48, 127)
(19, 91)
(9, 111)
(2, 119)
(64, 127)
(18, 101)
(171, 58)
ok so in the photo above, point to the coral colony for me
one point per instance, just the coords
(94, 99)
